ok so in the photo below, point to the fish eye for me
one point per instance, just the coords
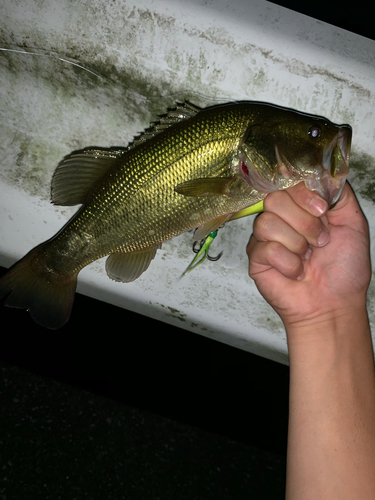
(315, 132)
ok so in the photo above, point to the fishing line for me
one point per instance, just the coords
(52, 55)
(178, 96)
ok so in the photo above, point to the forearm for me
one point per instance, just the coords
(331, 442)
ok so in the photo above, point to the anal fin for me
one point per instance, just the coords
(127, 267)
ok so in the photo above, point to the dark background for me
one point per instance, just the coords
(152, 367)
(157, 367)
(351, 16)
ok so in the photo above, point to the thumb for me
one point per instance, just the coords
(348, 212)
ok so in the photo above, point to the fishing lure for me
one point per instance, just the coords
(204, 245)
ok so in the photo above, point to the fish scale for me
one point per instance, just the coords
(158, 180)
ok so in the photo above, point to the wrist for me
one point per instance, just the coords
(325, 331)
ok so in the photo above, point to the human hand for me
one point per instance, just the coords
(312, 265)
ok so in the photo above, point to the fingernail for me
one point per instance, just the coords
(308, 253)
(323, 238)
(318, 206)
(301, 276)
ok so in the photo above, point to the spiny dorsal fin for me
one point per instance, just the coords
(181, 112)
(78, 172)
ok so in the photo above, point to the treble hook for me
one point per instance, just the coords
(202, 252)
(204, 245)
(201, 244)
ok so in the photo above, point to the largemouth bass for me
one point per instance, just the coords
(194, 169)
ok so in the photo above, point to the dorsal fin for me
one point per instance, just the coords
(182, 112)
(78, 172)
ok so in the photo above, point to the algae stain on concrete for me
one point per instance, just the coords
(49, 106)
(29, 171)
(362, 175)
(175, 313)
(260, 78)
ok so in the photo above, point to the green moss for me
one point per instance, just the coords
(260, 78)
(362, 175)
(173, 310)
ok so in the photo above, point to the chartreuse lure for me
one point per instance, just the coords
(202, 253)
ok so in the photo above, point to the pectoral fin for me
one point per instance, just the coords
(127, 267)
(210, 185)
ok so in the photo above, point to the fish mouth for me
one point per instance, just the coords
(330, 181)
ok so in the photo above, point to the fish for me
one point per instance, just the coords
(193, 169)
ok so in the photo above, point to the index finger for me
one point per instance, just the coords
(308, 200)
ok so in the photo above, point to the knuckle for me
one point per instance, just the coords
(267, 221)
(273, 200)
(264, 225)
(287, 262)
(274, 250)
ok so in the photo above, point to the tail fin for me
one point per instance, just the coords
(30, 285)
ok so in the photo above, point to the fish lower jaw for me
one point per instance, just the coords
(329, 188)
